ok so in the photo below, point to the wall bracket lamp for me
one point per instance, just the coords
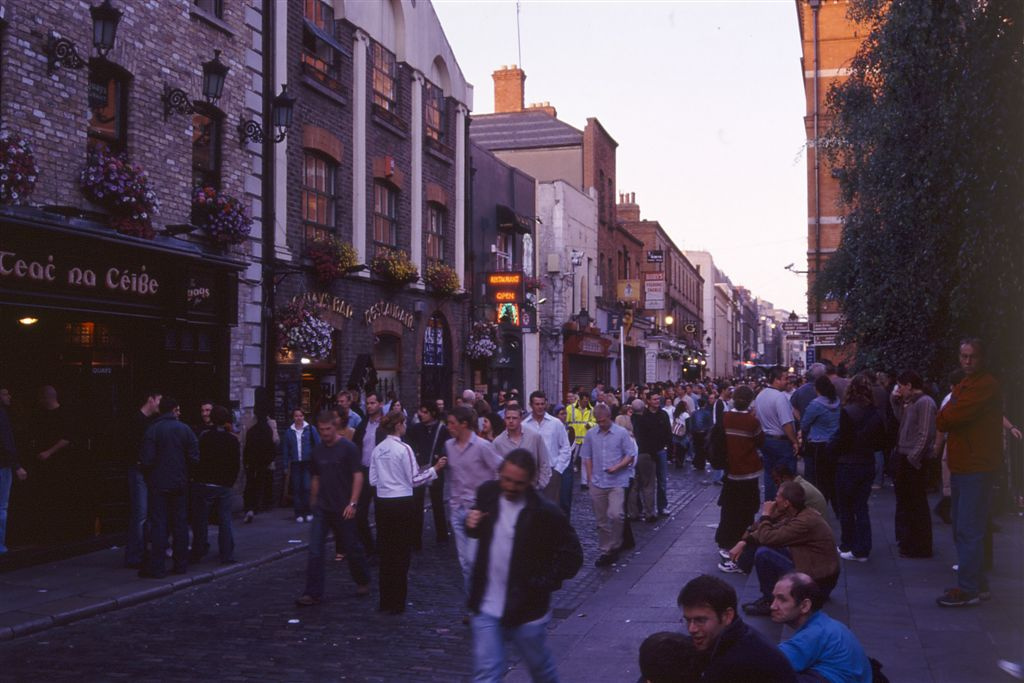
(214, 73)
(281, 110)
(61, 52)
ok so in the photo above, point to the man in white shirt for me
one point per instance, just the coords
(527, 549)
(775, 413)
(551, 429)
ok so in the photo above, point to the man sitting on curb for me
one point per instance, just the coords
(822, 649)
(813, 497)
(732, 651)
(789, 536)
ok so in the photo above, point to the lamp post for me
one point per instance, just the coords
(61, 52)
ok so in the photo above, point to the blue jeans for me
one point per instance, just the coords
(464, 545)
(661, 465)
(530, 639)
(168, 512)
(853, 489)
(345, 534)
(138, 496)
(299, 475)
(776, 452)
(565, 493)
(969, 507)
(6, 477)
(202, 496)
(771, 564)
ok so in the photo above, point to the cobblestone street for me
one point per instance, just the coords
(246, 626)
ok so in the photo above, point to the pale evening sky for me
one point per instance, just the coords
(704, 98)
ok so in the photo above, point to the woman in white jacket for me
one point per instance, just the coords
(395, 473)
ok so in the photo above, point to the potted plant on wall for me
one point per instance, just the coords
(123, 189)
(482, 341)
(394, 267)
(303, 332)
(442, 279)
(332, 258)
(18, 170)
(221, 216)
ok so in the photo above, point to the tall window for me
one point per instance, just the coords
(206, 140)
(435, 112)
(321, 59)
(503, 251)
(433, 342)
(434, 236)
(214, 7)
(385, 216)
(108, 107)
(317, 196)
(387, 359)
(383, 78)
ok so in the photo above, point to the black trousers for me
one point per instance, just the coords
(259, 484)
(366, 496)
(437, 508)
(824, 470)
(913, 520)
(740, 501)
(395, 527)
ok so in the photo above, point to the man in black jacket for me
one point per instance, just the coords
(527, 549)
(653, 432)
(168, 450)
(219, 459)
(732, 650)
(427, 438)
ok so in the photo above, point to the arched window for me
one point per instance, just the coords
(318, 184)
(387, 357)
(108, 106)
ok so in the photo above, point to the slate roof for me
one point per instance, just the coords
(522, 130)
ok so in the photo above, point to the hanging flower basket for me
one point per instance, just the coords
(394, 267)
(123, 189)
(482, 343)
(221, 216)
(442, 279)
(533, 284)
(332, 258)
(18, 170)
(303, 332)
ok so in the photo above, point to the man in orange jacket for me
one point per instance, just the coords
(973, 420)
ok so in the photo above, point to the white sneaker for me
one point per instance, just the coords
(300, 519)
(956, 567)
(248, 516)
(309, 518)
(723, 553)
(848, 555)
(729, 567)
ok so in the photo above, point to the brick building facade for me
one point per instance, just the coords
(376, 159)
(111, 314)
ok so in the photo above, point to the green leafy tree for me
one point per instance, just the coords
(927, 143)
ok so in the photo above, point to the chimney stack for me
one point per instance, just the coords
(509, 89)
(627, 211)
(544, 107)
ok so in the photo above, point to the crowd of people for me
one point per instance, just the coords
(501, 478)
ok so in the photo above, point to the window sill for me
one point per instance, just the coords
(211, 20)
(389, 122)
(439, 151)
(322, 89)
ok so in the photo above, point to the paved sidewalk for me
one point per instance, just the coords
(55, 593)
(888, 602)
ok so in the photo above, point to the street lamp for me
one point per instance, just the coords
(214, 72)
(669, 320)
(282, 108)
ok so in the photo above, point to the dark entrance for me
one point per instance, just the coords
(436, 380)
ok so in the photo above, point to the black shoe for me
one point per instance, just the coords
(762, 607)
(650, 519)
(605, 561)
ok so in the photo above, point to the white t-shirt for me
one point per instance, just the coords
(493, 603)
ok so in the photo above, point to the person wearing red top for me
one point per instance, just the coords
(973, 420)
(740, 496)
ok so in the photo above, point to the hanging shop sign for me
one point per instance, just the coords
(505, 288)
(628, 291)
(387, 309)
(654, 291)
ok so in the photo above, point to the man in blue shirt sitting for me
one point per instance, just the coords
(822, 649)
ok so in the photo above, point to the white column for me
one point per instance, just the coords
(460, 194)
(359, 48)
(280, 217)
(416, 224)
